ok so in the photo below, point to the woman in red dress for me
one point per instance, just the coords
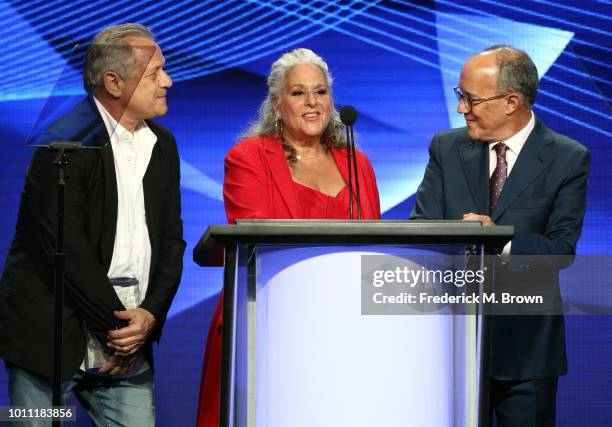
(291, 164)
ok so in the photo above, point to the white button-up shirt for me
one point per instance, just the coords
(132, 249)
(131, 154)
(515, 145)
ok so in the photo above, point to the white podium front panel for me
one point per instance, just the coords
(320, 362)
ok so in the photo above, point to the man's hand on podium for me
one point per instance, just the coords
(485, 220)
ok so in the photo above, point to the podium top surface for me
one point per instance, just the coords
(209, 250)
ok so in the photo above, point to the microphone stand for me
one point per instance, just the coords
(352, 142)
(348, 116)
(59, 258)
(349, 153)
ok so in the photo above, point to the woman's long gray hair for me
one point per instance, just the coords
(266, 122)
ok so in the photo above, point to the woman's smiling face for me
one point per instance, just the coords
(305, 104)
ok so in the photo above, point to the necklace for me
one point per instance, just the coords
(299, 157)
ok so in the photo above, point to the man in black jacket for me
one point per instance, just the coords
(123, 240)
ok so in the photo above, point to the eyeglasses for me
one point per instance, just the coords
(471, 102)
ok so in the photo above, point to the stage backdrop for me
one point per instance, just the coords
(395, 61)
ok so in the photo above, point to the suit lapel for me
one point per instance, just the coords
(535, 155)
(475, 161)
(151, 181)
(277, 164)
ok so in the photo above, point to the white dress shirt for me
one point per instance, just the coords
(131, 154)
(132, 249)
(515, 144)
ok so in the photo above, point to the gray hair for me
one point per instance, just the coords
(110, 51)
(266, 121)
(516, 72)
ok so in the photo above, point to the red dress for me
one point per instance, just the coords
(258, 185)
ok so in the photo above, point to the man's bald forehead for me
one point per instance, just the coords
(483, 60)
(493, 56)
(481, 65)
(513, 69)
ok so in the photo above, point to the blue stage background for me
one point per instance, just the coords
(395, 61)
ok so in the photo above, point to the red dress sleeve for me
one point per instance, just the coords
(370, 201)
(245, 185)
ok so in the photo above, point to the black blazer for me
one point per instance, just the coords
(544, 198)
(26, 287)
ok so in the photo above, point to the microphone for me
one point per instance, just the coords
(348, 116)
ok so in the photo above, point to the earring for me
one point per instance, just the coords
(278, 127)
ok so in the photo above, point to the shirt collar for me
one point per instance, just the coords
(114, 128)
(515, 142)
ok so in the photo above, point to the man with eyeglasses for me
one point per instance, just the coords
(506, 167)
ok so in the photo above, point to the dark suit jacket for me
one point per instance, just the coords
(258, 183)
(544, 198)
(26, 289)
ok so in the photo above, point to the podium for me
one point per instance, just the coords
(297, 350)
